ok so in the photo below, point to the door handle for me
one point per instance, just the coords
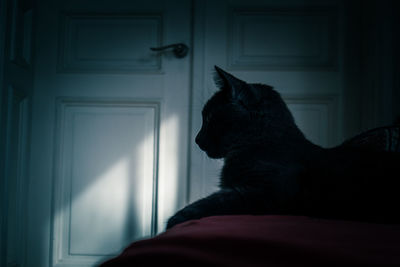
(180, 50)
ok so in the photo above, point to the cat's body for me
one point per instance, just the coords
(271, 168)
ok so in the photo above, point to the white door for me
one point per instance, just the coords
(294, 46)
(110, 123)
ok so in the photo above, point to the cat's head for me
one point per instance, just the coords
(239, 114)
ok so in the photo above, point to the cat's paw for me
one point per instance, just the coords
(174, 220)
(181, 216)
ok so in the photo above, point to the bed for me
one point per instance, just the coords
(247, 240)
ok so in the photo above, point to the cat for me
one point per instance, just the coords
(270, 168)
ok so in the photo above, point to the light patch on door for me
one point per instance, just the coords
(99, 214)
(169, 185)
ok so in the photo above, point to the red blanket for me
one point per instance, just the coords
(265, 241)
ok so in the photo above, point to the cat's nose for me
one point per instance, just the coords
(201, 140)
(198, 140)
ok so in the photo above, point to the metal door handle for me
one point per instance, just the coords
(180, 50)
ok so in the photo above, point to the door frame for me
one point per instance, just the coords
(3, 131)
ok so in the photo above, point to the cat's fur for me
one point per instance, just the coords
(271, 168)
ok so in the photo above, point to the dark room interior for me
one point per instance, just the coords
(101, 103)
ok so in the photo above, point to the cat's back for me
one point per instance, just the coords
(360, 161)
(263, 165)
(356, 183)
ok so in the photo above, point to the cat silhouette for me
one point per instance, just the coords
(271, 168)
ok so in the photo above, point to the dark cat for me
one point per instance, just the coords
(271, 168)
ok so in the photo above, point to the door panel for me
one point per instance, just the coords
(106, 177)
(281, 38)
(109, 43)
(109, 153)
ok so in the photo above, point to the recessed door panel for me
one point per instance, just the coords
(106, 177)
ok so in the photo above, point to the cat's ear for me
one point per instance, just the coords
(238, 89)
(228, 82)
